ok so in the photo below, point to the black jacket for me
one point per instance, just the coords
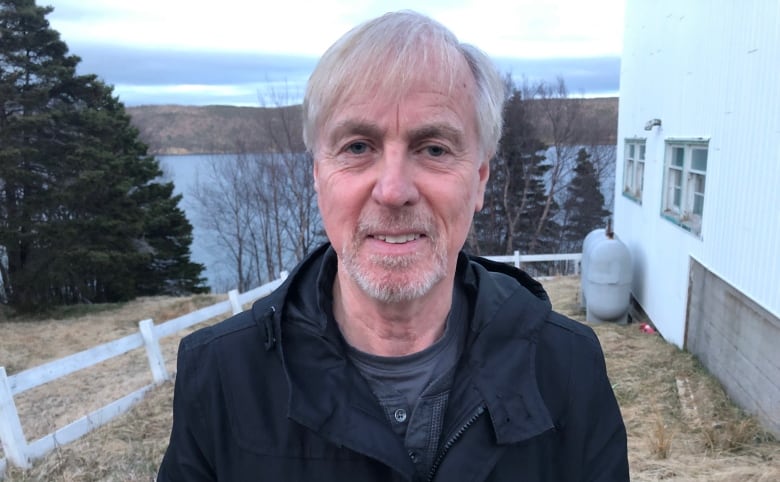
(269, 394)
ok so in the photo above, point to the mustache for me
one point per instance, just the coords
(397, 221)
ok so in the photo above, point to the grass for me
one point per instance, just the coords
(681, 425)
(63, 312)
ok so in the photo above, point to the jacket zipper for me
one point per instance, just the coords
(446, 447)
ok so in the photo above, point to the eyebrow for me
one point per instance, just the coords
(439, 130)
(355, 127)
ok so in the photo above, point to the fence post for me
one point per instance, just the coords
(153, 353)
(234, 303)
(517, 259)
(11, 433)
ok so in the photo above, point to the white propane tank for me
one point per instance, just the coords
(587, 244)
(606, 277)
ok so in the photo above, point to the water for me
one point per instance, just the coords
(184, 172)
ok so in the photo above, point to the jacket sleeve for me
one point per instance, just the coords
(595, 421)
(186, 458)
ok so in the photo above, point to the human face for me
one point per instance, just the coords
(398, 182)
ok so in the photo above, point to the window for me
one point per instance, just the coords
(685, 170)
(634, 169)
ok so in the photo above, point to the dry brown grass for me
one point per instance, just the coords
(698, 435)
(42, 410)
(691, 433)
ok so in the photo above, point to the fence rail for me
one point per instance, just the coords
(21, 453)
(571, 261)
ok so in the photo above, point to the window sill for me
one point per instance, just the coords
(631, 197)
(687, 226)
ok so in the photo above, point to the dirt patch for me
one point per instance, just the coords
(681, 425)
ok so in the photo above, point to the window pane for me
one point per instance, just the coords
(675, 188)
(698, 204)
(698, 193)
(698, 184)
(642, 152)
(631, 151)
(699, 159)
(678, 156)
(640, 174)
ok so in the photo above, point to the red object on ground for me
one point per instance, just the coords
(646, 328)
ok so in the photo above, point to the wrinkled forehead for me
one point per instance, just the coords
(388, 73)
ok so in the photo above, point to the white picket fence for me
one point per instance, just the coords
(21, 454)
(518, 260)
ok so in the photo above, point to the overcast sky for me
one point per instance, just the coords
(239, 52)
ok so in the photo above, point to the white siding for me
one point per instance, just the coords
(710, 69)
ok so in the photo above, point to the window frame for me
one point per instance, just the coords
(634, 164)
(682, 202)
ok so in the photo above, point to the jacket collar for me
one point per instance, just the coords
(510, 309)
(327, 394)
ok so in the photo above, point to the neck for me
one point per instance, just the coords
(390, 329)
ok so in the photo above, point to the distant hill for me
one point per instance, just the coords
(175, 129)
(598, 124)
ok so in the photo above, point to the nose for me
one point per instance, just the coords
(395, 184)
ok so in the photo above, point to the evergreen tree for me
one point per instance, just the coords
(81, 215)
(515, 196)
(584, 205)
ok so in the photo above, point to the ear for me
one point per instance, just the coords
(484, 174)
(315, 167)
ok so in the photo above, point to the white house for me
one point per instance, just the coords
(698, 184)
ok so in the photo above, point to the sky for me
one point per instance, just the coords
(253, 53)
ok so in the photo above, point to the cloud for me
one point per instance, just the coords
(198, 52)
(167, 76)
(126, 65)
(517, 28)
(589, 76)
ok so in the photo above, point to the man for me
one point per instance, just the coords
(388, 355)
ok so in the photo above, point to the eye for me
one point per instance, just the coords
(435, 151)
(357, 148)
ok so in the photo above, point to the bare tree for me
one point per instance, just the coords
(261, 207)
(289, 197)
(561, 117)
(224, 211)
(544, 129)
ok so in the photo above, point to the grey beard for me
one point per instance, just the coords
(382, 287)
(378, 283)
(395, 291)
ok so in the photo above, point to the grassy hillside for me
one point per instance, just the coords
(175, 129)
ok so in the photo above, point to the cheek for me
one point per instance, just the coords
(339, 204)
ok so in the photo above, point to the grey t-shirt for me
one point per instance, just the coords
(413, 389)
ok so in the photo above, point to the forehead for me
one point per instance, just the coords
(433, 83)
(426, 110)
